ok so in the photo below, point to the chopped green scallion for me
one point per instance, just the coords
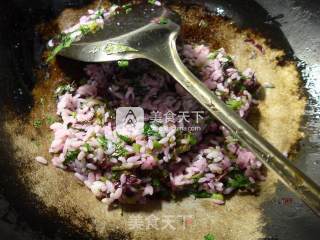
(239, 180)
(157, 145)
(234, 104)
(152, 2)
(212, 55)
(136, 147)
(163, 20)
(37, 123)
(202, 194)
(102, 141)
(127, 7)
(123, 63)
(87, 147)
(103, 179)
(64, 89)
(85, 29)
(148, 131)
(120, 151)
(71, 156)
(217, 196)
(156, 182)
(192, 139)
(209, 237)
(126, 139)
(65, 42)
(50, 120)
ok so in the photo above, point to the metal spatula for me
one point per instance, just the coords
(150, 32)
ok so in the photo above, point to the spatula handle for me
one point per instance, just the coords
(291, 176)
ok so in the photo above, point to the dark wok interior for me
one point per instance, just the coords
(20, 51)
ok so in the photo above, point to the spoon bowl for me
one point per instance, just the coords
(136, 34)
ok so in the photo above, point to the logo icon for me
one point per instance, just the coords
(129, 121)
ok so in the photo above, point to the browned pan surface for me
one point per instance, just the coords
(277, 118)
(58, 195)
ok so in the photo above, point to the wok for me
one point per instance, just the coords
(291, 25)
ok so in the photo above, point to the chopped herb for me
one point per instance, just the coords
(99, 118)
(120, 151)
(217, 196)
(102, 141)
(239, 180)
(87, 147)
(242, 88)
(191, 139)
(71, 156)
(157, 145)
(99, 13)
(93, 27)
(197, 176)
(136, 147)
(50, 120)
(85, 29)
(239, 86)
(212, 55)
(202, 194)
(229, 59)
(148, 131)
(37, 123)
(152, 2)
(163, 20)
(126, 139)
(116, 174)
(113, 48)
(234, 104)
(103, 179)
(123, 63)
(127, 7)
(64, 89)
(74, 114)
(156, 182)
(209, 237)
(65, 42)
